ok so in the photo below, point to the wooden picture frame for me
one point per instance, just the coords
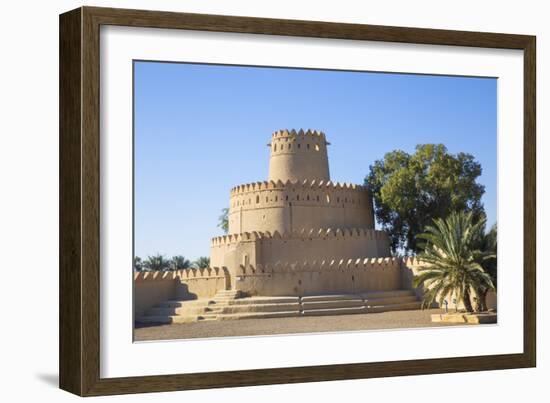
(79, 346)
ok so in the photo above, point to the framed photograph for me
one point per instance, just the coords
(387, 228)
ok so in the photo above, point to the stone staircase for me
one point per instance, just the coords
(186, 311)
(384, 301)
(229, 305)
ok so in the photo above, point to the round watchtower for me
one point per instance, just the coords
(298, 156)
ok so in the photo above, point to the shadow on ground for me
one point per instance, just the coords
(49, 379)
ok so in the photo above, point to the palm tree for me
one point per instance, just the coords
(202, 262)
(487, 242)
(223, 220)
(156, 263)
(138, 264)
(179, 263)
(452, 264)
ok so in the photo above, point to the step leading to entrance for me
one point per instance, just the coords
(231, 305)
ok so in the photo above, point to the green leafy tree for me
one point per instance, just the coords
(156, 263)
(411, 190)
(452, 264)
(202, 262)
(179, 263)
(223, 220)
(138, 264)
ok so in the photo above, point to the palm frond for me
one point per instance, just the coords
(452, 263)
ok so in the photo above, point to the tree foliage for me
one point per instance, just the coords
(202, 262)
(156, 262)
(411, 190)
(138, 263)
(487, 242)
(452, 265)
(159, 262)
(179, 262)
(223, 220)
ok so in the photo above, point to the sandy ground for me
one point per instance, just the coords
(306, 324)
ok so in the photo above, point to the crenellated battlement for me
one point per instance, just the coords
(208, 272)
(284, 206)
(304, 184)
(298, 155)
(410, 261)
(366, 263)
(366, 233)
(154, 275)
(361, 264)
(297, 134)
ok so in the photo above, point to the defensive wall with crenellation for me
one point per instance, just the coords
(313, 245)
(283, 278)
(288, 206)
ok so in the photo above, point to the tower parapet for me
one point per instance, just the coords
(298, 155)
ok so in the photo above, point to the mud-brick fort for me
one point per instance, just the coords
(298, 244)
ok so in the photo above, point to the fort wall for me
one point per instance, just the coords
(269, 248)
(151, 288)
(200, 283)
(351, 276)
(346, 276)
(284, 207)
(283, 278)
(154, 287)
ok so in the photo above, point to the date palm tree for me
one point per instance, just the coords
(179, 262)
(452, 264)
(487, 243)
(156, 263)
(202, 262)
(138, 264)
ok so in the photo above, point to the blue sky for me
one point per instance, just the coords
(191, 121)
